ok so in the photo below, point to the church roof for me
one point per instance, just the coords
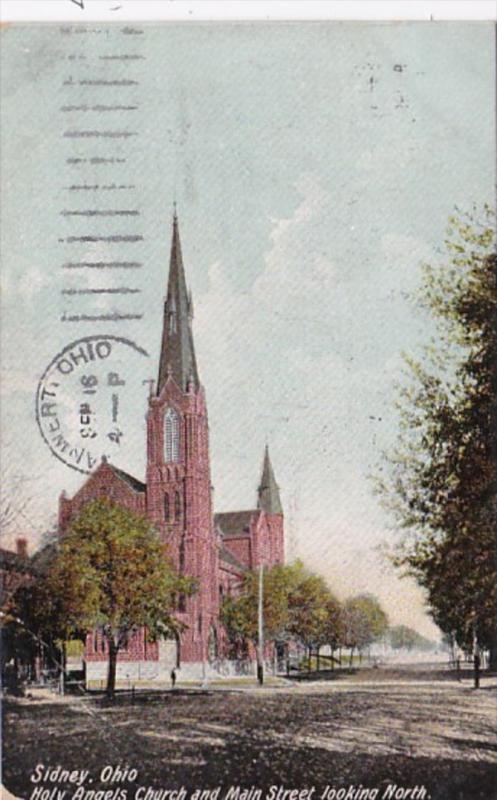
(177, 356)
(225, 555)
(134, 483)
(234, 523)
(268, 491)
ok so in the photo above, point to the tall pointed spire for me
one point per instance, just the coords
(177, 356)
(268, 492)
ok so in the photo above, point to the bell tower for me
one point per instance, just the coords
(178, 468)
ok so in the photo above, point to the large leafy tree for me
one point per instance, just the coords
(36, 625)
(112, 572)
(441, 480)
(309, 616)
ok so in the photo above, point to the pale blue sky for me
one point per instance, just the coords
(314, 166)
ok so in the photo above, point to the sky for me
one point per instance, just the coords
(314, 167)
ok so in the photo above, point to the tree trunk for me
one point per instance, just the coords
(112, 665)
(317, 658)
(63, 664)
(351, 656)
(476, 673)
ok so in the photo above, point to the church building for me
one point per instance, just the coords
(215, 549)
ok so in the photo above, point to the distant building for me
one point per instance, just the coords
(216, 549)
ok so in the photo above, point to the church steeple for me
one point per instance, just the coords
(268, 492)
(177, 356)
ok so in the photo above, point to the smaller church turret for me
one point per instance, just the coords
(269, 502)
(268, 493)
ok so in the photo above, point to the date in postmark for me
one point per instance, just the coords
(81, 396)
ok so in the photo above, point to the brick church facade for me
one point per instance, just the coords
(176, 496)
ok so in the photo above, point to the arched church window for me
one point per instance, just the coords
(177, 506)
(166, 507)
(171, 435)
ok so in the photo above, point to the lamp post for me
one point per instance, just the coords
(260, 627)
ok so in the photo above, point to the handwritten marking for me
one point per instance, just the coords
(79, 29)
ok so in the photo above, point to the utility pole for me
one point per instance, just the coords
(260, 643)
(476, 661)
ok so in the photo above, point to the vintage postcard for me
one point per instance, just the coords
(249, 426)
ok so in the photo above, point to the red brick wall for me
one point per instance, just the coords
(103, 483)
(138, 648)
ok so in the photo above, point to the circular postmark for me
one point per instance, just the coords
(86, 398)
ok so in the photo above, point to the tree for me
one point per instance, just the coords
(35, 628)
(404, 638)
(364, 622)
(296, 604)
(332, 628)
(308, 609)
(239, 614)
(112, 572)
(441, 481)
(15, 498)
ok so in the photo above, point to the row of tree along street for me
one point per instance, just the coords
(299, 609)
(110, 572)
(440, 481)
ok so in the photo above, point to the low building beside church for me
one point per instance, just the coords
(216, 549)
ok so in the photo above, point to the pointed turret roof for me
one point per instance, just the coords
(268, 493)
(177, 356)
